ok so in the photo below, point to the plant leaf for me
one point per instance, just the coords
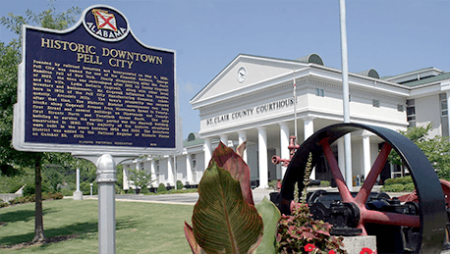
(191, 239)
(270, 216)
(226, 158)
(223, 222)
(241, 148)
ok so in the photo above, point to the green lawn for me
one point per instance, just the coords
(140, 227)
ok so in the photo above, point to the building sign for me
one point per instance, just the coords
(260, 109)
(96, 87)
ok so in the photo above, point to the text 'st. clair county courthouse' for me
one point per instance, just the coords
(252, 99)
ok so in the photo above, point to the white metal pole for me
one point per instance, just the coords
(175, 169)
(295, 108)
(106, 179)
(78, 195)
(345, 94)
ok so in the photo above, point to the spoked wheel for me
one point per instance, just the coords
(431, 218)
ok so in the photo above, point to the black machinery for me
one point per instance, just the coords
(417, 226)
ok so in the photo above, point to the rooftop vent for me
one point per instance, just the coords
(311, 58)
(370, 73)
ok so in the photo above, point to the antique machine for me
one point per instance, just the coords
(414, 223)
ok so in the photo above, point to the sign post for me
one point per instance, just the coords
(96, 91)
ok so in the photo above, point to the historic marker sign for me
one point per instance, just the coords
(95, 87)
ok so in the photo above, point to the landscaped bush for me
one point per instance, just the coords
(324, 183)
(161, 187)
(179, 185)
(29, 189)
(3, 204)
(31, 198)
(410, 187)
(399, 180)
(22, 200)
(399, 184)
(15, 186)
(396, 187)
(66, 192)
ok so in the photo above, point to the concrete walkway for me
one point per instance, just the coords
(191, 198)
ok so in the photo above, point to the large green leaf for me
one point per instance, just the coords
(226, 158)
(223, 222)
(270, 216)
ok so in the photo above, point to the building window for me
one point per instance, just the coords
(157, 167)
(320, 92)
(400, 108)
(444, 114)
(194, 161)
(376, 103)
(141, 166)
(411, 112)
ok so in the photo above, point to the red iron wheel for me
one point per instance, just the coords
(431, 220)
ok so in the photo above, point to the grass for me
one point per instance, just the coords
(140, 227)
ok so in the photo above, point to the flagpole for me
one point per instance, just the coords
(295, 106)
(345, 96)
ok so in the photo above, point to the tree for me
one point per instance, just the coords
(140, 177)
(435, 148)
(9, 60)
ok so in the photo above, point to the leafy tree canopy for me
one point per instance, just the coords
(10, 56)
(435, 148)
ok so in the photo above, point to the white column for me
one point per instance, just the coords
(308, 126)
(263, 167)
(308, 130)
(242, 139)
(341, 155)
(207, 151)
(448, 115)
(170, 167)
(189, 177)
(224, 139)
(153, 173)
(284, 143)
(126, 182)
(366, 153)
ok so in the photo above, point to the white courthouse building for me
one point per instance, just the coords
(252, 99)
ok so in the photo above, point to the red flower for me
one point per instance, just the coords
(332, 252)
(309, 247)
(366, 251)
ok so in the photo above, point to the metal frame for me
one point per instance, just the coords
(432, 218)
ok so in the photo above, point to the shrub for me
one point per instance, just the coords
(29, 189)
(273, 184)
(399, 180)
(22, 200)
(66, 192)
(144, 190)
(85, 187)
(324, 183)
(410, 187)
(3, 204)
(15, 186)
(179, 185)
(299, 232)
(396, 187)
(31, 198)
(161, 187)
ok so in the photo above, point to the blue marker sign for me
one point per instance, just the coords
(96, 87)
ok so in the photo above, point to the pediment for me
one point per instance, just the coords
(246, 72)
